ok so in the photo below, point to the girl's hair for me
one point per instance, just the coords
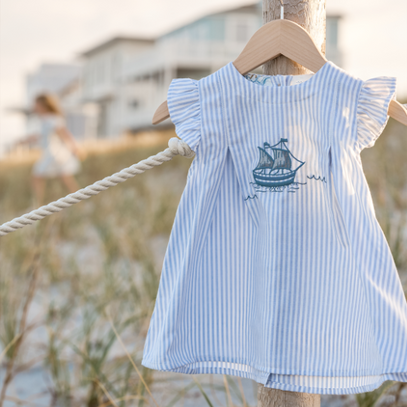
(49, 103)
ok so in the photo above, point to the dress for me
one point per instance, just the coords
(56, 159)
(277, 269)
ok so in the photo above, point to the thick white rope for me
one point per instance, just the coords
(176, 147)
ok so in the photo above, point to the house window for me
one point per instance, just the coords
(332, 31)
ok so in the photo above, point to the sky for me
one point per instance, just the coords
(372, 36)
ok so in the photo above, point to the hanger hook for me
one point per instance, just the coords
(281, 10)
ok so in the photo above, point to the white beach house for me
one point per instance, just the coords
(128, 77)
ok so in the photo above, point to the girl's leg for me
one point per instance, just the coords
(38, 184)
(70, 183)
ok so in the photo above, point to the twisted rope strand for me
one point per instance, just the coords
(175, 147)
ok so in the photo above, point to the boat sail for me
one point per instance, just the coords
(274, 168)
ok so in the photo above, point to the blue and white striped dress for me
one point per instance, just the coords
(277, 269)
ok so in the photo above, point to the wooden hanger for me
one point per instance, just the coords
(282, 37)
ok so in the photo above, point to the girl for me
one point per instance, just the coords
(60, 150)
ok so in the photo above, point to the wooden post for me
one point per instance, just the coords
(311, 15)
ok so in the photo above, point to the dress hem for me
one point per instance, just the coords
(264, 378)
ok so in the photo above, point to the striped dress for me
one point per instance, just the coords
(277, 269)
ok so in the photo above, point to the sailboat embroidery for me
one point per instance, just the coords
(275, 169)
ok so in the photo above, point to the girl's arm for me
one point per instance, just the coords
(70, 141)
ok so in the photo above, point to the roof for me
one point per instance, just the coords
(245, 9)
(251, 8)
(114, 40)
(255, 7)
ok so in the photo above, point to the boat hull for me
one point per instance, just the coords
(274, 180)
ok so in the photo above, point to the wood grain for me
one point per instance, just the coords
(311, 16)
(279, 398)
(280, 39)
(398, 112)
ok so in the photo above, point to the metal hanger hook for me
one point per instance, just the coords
(281, 10)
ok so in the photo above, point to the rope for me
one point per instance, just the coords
(175, 147)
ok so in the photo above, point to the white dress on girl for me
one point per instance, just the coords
(57, 159)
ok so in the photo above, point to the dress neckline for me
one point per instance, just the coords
(283, 80)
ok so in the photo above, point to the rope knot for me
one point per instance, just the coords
(179, 147)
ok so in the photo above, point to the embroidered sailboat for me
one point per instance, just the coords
(274, 168)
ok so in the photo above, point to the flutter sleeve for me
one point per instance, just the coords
(373, 103)
(184, 108)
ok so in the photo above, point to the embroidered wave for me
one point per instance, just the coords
(184, 108)
(318, 178)
(373, 103)
(251, 197)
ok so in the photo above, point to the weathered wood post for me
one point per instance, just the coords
(311, 15)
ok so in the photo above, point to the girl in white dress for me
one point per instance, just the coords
(60, 152)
